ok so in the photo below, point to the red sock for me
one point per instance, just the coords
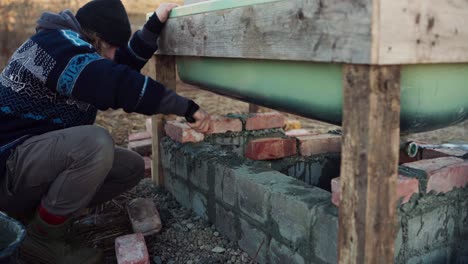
(49, 218)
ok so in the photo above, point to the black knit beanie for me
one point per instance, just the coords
(108, 19)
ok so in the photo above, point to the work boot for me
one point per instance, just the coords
(47, 244)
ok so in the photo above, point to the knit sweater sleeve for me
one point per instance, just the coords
(142, 45)
(106, 84)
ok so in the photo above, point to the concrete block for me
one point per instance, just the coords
(200, 173)
(270, 148)
(131, 249)
(399, 243)
(317, 171)
(254, 198)
(280, 254)
(325, 234)
(182, 133)
(168, 180)
(255, 186)
(199, 204)
(431, 229)
(220, 124)
(292, 209)
(236, 142)
(144, 216)
(318, 144)
(167, 154)
(139, 136)
(443, 174)
(142, 147)
(441, 255)
(182, 160)
(253, 240)
(226, 189)
(180, 191)
(463, 222)
(265, 121)
(227, 222)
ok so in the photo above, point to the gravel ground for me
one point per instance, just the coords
(185, 237)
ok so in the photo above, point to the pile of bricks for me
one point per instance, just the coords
(294, 142)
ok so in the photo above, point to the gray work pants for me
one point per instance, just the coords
(68, 170)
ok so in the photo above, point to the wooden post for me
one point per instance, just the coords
(165, 74)
(371, 130)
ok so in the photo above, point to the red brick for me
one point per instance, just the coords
(299, 133)
(143, 147)
(441, 152)
(131, 249)
(406, 187)
(144, 216)
(265, 121)
(182, 133)
(404, 158)
(443, 174)
(148, 163)
(318, 144)
(220, 124)
(270, 148)
(139, 136)
(336, 191)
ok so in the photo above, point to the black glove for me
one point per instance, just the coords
(191, 110)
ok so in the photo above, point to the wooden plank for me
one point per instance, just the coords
(371, 113)
(312, 30)
(166, 74)
(422, 31)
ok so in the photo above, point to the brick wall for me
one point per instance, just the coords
(281, 207)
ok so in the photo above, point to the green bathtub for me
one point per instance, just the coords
(432, 96)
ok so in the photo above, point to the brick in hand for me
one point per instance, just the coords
(181, 132)
(271, 148)
(220, 124)
(131, 249)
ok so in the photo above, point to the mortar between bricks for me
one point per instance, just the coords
(258, 216)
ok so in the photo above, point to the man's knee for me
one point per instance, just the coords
(98, 143)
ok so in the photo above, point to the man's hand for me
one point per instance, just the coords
(163, 11)
(202, 122)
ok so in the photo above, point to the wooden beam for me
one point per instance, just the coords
(371, 112)
(313, 30)
(421, 31)
(166, 74)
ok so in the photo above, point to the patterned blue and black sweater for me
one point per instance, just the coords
(57, 80)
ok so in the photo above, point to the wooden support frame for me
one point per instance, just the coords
(369, 164)
(166, 74)
(371, 36)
